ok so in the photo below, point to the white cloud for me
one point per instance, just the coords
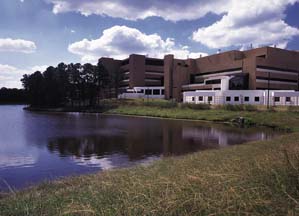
(249, 22)
(244, 22)
(40, 68)
(10, 76)
(173, 10)
(16, 45)
(121, 41)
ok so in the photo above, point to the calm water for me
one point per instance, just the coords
(43, 146)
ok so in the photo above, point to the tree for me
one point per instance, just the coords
(91, 81)
(106, 81)
(34, 87)
(13, 95)
(67, 84)
(72, 71)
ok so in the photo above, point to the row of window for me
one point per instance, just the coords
(237, 99)
(151, 91)
(200, 98)
(215, 81)
(277, 99)
(155, 62)
(246, 99)
(256, 99)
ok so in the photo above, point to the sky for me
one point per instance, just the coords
(35, 34)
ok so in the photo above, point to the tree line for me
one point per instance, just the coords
(70, 85)
(12, 96)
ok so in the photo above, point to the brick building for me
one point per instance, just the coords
(255, 69)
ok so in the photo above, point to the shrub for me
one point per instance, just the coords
(293, 108)
(237, 107)
(160, 103)
(232, 107)
(195, 106)
(250, 108)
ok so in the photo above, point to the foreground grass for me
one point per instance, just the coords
(258, 178)
(283, 120)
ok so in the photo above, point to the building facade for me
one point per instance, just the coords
(238, 97)
(256, 69)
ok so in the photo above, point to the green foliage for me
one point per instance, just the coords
(231, 107)
(293, 108)
(68, 84)
(160, 103)
(195, 106)
(237, 107)
(250, 108)
(12, 96)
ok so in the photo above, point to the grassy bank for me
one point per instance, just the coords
(278, 117)
(259, 178)
(286, 120)
(282, 120)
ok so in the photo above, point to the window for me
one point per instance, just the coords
(192, 78)
(156, 92)
(227, 98)
(155, 62)
(148, 92)
(256, 99)
(236, 98)
(200, 98)
(210, 98)
(276, 99)
(193, 99)
(162, 92)
(216, 81)
(239, 82)
(246, 99)
(141, 91)
(288, 99)
(262, 56)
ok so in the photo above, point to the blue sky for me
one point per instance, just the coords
(38, 33)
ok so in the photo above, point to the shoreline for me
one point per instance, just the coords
(41, 110)
(130, 111)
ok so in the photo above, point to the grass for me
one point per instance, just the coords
(282, 120)
(257, 178)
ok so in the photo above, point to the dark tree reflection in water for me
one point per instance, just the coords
(43, 146)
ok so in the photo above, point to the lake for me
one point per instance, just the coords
(35, 147)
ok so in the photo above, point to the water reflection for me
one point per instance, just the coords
(142, 138)
(40, 146)
(16, 161)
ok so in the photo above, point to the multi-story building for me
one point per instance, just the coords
(255, 69)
